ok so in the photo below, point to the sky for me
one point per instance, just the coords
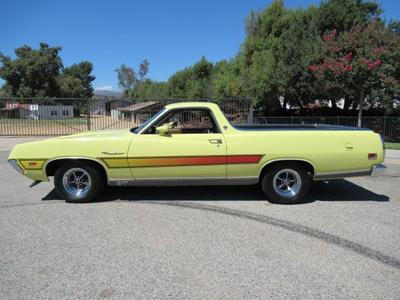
(171, 34)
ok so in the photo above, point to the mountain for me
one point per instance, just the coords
(107, 93)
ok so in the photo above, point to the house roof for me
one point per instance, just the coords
(15, 105)
(138, 106)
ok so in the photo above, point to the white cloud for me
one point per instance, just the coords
(104, 88)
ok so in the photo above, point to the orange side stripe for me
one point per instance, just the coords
(243, 159)
(193, 161)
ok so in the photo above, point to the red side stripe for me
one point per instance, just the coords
(243, 159)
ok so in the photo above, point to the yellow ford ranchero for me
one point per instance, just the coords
(192, 143)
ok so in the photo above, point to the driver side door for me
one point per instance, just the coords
(193, 151)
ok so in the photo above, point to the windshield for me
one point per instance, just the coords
(138, 129)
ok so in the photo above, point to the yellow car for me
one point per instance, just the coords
(192, 143)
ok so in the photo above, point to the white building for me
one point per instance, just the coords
(55, 111)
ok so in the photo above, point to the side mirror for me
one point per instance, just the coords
(164, 129)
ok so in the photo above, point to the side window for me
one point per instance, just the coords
(189, 121)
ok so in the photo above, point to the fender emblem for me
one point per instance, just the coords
(112, 153)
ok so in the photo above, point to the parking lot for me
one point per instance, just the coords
(200, 242)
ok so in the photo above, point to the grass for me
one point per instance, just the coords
(395, 146)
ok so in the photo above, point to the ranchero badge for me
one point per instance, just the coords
(112, 153)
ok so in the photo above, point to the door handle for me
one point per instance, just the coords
(215, 141)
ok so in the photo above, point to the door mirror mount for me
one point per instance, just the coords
(162, 130)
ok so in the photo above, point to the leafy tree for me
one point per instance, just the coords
(360, 64)
(342, 15)
(281, 47)
(227, 81)
(193, 82)
(149, 90)
(127, 78)
(33, 73)
(76, 81)
(256, 59)
(178, 84)
(297, 47)
(394, 26)
(143, 69)
(40, 73)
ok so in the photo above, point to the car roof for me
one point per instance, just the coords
(191, 105)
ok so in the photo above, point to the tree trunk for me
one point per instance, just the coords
(334, 106)
(347, 103)
(360, 108)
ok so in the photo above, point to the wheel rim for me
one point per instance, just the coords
(287, 183)
(77, 182)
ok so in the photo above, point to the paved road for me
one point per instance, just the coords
(208, 242)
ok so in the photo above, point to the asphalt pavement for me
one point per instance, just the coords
(200, 242)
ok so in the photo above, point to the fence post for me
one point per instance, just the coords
(88, 114)
(250, 116)
(384, 126)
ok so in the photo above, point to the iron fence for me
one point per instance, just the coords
(389, 127)
(38, 116)
(46, 116)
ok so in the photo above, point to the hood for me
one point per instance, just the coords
(84, 144)
(94, 134)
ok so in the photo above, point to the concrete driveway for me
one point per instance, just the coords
(203, 242)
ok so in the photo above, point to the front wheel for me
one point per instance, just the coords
(78, 183)
(286, 183)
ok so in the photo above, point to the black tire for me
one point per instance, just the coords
(286, 194)
(94, 185)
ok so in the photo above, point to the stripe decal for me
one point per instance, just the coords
(176, 161)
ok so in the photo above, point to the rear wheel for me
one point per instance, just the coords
(286, 183)
(78, 183)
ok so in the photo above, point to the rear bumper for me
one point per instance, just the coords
(377, 170)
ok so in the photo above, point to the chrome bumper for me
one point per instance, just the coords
(15, 166)
(377, 170)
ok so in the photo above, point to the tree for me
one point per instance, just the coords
(143, 69)
(297, 47)
(360, 63)
(227, 81)
(40, 73)
(342, 15)
(277, 57)
(128, 80)
(257, 59)
(76, 81)
(394, 26)
(33, 73)
(149, 90)
(192, 82)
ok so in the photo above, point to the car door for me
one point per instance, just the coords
(194, 150)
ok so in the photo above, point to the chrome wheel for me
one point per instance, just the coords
(77, 182)
(287, 183)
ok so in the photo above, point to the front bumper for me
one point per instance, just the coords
(16, 166)
(377, 170)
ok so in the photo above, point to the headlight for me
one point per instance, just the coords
(16, 166)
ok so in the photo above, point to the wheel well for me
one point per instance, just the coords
(306, 165)
(54, 165)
